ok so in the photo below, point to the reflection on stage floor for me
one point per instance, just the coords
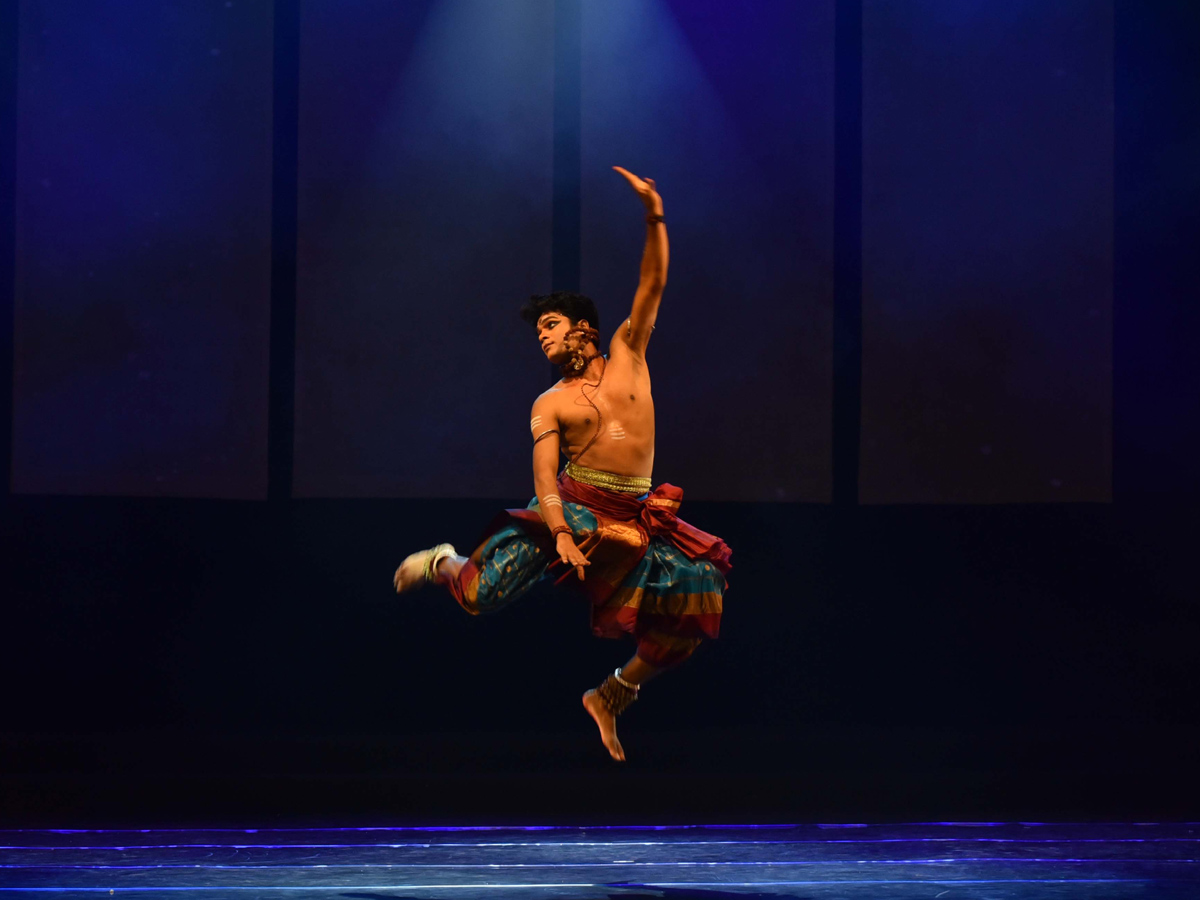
(948, 860)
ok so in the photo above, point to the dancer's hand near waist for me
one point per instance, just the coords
(570, 554)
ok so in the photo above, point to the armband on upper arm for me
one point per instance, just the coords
(534, 424)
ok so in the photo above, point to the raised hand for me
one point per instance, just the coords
(645, 190)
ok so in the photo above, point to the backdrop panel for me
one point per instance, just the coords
(425, 166)
(987, 251)
(730, 108)
(143, 249)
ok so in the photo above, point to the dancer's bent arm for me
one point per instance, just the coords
(545, 485)
(653, 278)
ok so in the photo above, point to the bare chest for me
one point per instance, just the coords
(617, 409)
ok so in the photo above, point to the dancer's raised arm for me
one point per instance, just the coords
(636, 333)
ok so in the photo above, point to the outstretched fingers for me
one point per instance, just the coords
(644, 188)
(575, 559)
(636, 183)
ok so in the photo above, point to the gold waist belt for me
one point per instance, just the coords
(630, 484)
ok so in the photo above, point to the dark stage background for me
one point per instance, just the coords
(926, 361)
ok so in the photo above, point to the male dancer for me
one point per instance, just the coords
(598, 528)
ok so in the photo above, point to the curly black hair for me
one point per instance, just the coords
(573, 306)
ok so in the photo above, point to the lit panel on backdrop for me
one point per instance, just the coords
(730, 108)
(143, 249)
(425, 167)
(987, 251)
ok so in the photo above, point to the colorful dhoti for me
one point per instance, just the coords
(652, 575)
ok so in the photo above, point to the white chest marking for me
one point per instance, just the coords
(616, 431)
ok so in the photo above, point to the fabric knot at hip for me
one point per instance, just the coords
(659, 514)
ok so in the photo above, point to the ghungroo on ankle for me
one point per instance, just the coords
(616, 693)
(436, 555)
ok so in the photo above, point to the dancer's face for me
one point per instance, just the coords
(552, 330)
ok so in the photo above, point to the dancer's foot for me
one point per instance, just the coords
(419, 569)
(606, 722)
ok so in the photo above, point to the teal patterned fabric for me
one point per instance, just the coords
(666, 572)
(513, 562)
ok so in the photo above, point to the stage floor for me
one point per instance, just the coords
(951, 861)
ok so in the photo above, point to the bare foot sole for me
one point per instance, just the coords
(606, 722)
(418, 568)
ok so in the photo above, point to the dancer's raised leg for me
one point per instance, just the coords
(438, 564)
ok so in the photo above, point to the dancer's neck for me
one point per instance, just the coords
(589, 369)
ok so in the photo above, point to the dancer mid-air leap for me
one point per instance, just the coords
(598, 527)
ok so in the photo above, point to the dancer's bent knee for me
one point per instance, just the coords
(504, 569)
